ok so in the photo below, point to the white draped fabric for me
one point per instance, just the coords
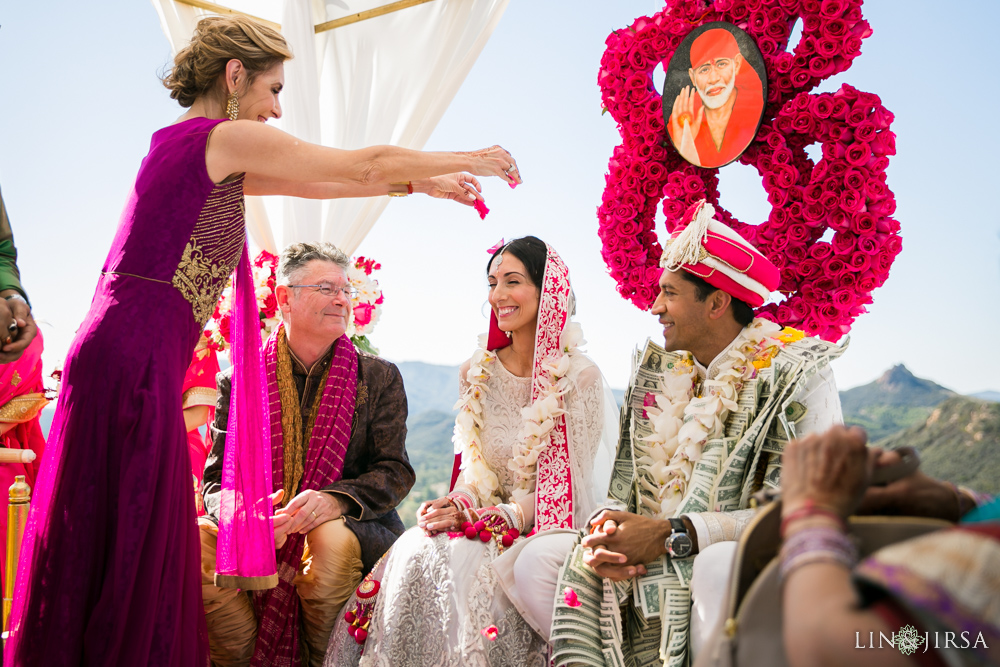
(384, 80)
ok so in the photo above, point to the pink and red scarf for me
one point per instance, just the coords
(278, 608)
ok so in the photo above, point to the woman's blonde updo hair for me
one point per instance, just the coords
(216, 41)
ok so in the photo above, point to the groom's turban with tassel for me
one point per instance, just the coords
(715, 253)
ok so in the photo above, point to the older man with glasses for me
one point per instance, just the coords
(338, 425)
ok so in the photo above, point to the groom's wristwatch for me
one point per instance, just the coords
(678, 543)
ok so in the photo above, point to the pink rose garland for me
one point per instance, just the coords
(827, 284)
(218, 334)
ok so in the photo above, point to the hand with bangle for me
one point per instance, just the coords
(829, 471)
(444, 514)
(824, 478)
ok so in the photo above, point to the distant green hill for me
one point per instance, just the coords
(958, 442)
(428, 444)
(895, 401)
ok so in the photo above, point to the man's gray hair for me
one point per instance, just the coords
(295, 257)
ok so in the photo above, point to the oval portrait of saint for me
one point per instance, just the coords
(714, 94)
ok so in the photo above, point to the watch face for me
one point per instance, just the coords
(679, 545)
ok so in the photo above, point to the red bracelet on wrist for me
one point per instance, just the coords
(810, 508)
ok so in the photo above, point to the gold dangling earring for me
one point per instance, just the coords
(233, 106)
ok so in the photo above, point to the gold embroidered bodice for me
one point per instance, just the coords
(213, 250)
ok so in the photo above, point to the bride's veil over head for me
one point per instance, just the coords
(574, 470)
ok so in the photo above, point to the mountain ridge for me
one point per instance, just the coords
(958, 442)
(896, 400)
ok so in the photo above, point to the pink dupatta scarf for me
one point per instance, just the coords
(278, 608)
(554, 488)
(245, 554)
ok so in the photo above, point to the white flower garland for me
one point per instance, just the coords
(369, 296)
(682, 426)
(539, 419)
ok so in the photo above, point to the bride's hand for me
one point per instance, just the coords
(435, 516)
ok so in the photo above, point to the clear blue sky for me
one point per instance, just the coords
(80, 98)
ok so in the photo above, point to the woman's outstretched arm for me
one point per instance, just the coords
(261, 151)
(461, 187)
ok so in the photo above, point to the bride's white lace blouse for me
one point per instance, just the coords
(592, 437)
(438, 594)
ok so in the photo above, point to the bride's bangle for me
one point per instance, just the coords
(462, 500)
(515, 517)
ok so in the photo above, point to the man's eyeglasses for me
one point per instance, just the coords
(330, 291)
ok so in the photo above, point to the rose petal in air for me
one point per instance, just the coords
(481, 209)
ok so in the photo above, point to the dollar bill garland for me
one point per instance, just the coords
(683, 422)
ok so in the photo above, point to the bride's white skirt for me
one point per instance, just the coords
(437, 597)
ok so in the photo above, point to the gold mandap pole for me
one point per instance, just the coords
(322, 27)
(17, 517)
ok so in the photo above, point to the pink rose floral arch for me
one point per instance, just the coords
(826, 284)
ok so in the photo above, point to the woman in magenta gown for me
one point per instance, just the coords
(109, 570)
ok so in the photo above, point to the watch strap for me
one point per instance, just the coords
(677, 527)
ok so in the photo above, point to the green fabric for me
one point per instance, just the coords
(10, 277)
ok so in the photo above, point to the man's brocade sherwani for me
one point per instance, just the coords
(645, 621)
(377, 474)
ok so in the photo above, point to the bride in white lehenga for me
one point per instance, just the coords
(536, 435)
